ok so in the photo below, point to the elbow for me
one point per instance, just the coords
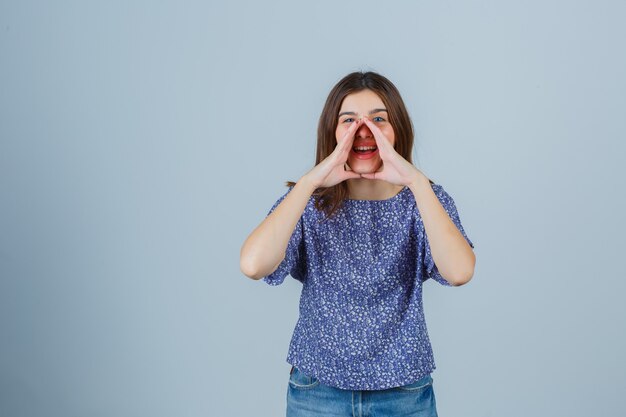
(464, 276)
(252, 268)
(249, 269)
(248, 265)
(461, 280)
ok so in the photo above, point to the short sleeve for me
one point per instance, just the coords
(294, 263)
(429, 268)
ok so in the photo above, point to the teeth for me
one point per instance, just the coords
(364, 148)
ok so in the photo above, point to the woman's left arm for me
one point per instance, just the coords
(452, 254)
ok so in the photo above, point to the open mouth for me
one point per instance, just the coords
(364, 152)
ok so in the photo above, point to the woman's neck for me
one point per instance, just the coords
(366, 189)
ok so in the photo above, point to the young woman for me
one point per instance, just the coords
(362, 230)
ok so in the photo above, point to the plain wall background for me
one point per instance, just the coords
(141, 142)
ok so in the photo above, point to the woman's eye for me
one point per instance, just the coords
(348, 120)
(378, 119)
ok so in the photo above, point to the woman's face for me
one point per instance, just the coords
(355, 106)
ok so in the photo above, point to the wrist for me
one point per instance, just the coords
(419, 180)
(307, 183)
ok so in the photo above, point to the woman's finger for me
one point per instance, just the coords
(344, 145)
(381, 140)
(348, 138)
(373, 176)
(347, 175)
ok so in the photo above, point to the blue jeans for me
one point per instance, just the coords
(307, 397)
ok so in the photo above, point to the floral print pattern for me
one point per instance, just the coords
(361, 324)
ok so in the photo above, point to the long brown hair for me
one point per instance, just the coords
(331, 199)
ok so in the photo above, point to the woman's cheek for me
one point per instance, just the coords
(339, 133)
(389, 134)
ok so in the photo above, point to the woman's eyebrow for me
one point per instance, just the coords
(351, 113)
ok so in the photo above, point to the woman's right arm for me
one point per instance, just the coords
(266, 247)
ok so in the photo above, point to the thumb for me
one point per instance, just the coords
(370, 176)
(352, 175)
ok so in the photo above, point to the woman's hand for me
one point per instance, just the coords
(395, 169)
(331, 170)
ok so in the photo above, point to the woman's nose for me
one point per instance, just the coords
(363, 131)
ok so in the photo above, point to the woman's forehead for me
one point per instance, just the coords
(362, 101)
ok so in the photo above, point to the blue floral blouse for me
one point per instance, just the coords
(361, 324)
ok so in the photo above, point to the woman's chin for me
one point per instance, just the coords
(361, 168)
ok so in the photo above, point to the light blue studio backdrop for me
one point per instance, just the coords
(142, 142)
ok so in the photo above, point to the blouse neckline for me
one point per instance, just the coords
(388, 200)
